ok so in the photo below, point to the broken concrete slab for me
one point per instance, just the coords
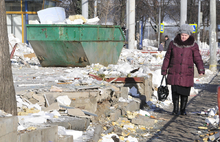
(39, 98)
(131, 106)
(74, 123)
(104, 94)
(51, 96)
(148, 91)
(75, 112)
(89, 104)
(54, 106)
(44, 134)
(114, 116)
(97, 133)
(85, 111)
(124, 92)
(66, 138)
(142, 84)
(8, 129)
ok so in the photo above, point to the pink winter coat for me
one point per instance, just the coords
(179, 61)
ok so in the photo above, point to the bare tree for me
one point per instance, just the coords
(72, 7)
(172, 10)
(7, 95)
(150, 8)
(109, 11)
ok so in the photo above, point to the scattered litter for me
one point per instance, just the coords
(132, 63)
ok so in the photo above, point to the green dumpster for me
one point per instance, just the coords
(75, 45)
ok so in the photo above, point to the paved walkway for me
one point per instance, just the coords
(185, 128)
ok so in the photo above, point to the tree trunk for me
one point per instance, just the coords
(7, 91)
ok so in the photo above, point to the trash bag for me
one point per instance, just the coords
(162, 91)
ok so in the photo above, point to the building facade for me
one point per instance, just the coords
(19, 12)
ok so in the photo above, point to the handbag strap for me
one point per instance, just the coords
(164, 76)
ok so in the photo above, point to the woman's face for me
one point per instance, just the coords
(184, 37)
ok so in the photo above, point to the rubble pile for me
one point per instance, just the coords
(96, 102)
(58, 16)
(136, 57)
(39, 100)
(86, 90)
(22, 54)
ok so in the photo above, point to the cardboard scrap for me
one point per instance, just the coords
(31, 55)
(74, 17)
(55, 89)
(204, 128)
(22, 113)
(205, 139)
(31, 128)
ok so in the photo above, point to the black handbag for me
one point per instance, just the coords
(163, 91)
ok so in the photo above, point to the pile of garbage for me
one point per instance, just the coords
(35, 108)
(210, 130)
(119, 121)
(136, 57)
(57, 15)
(21, 53)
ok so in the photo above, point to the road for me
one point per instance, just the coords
(185, 128)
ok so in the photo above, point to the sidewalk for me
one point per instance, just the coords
(185, 128)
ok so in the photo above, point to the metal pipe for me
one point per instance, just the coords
(198, 27)
(11, 24)
(183, 12)
(21, 12)
(148, 28)
(141, 34)
(22, 24)
(159, 21)
(26, 19)
(95, 8)
(212, 36)
(127, 21)
(85, 9)
(137, 33)
(131, 26)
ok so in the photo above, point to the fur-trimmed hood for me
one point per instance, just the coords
(188, 43)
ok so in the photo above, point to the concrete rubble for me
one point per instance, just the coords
(90, 103)
(94, 103)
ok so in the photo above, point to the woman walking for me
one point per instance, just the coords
(182, 54)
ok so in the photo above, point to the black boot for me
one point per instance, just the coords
(183, 104)
(175, 98)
